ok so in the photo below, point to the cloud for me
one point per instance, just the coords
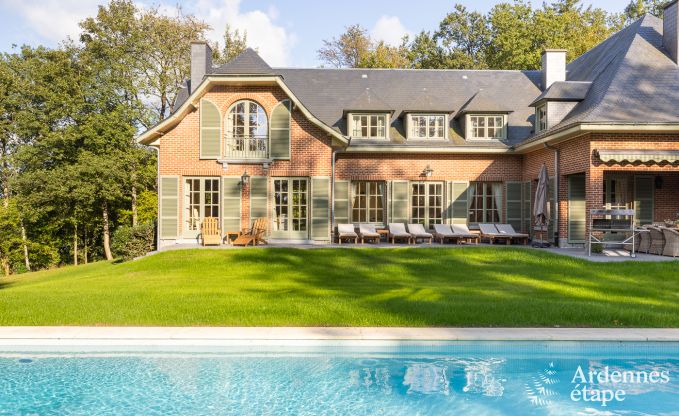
(390, 30)
(53, 20)
(273, 42)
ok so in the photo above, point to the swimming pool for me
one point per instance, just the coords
(336, 378)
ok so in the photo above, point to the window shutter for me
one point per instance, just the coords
(210, 130)
(398, 205)
(527, 208)
(643, 199)
(168, 220)
(342, 203)
(280, 131)
(320, 208)
(577, 209)
(231, 204)
(459, 202)
(259, 192)
(514, 204)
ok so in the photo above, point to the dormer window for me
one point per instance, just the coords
(541, 118)
(368, 126)
(426, 126)
(486, 127)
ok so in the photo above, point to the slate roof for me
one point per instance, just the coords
(564, 91)
(627, 78)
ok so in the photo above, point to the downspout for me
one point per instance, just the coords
(157, 149)
(556, 192)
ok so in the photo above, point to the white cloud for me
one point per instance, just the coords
(53, 20)
(390, 30)
(273, 42)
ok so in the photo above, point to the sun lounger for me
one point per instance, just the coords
(490, 232)
(443, 232)
(397, 231)
(462, 231)
(509, 230)
(346, 232)
(368, 232)
(418, 232)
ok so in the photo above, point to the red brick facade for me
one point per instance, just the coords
(312, 150)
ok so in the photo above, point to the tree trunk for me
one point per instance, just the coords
(24, 240)
(85, 259)
(4, 263)
(107, 233)
(134, 203)
(75, 245)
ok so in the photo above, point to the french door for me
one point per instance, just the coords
(201, 200)
(291, 208)
(426, 203)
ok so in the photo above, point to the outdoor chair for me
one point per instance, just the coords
(509, 230)
(418, 232)
(368, 232)
(443, 232)
(671, 242)
(209, 231)
(644, 240)
(657, 240)
(397, 231)
(346, 232)
(490, 232)
(462, 231)
(254, 235)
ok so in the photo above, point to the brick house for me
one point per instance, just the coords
(310, 148)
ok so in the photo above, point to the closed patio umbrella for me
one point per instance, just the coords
(540, 209)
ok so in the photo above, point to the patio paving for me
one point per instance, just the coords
(608, 255)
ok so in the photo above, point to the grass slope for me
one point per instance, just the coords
(350, 287)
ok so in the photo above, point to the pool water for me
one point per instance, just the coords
(456, 378)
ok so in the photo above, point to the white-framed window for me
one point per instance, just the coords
(541, 118)
(426, 203)
(367, 202)
(368, 126)
(486, 127)
(427, 126)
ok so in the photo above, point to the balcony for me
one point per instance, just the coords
(247, 147)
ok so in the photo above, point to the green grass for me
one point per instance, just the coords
(350, 287)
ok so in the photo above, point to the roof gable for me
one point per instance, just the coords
(248, 62)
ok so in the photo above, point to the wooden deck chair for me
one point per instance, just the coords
(254, 235)
(210, 233)
(490, 232)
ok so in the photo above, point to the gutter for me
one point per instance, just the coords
(556, 191)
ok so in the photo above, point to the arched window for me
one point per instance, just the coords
(247, 119)
(247, 131)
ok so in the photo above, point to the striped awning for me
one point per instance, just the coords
(635, 156)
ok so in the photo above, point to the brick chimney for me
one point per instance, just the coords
(201, 62)
(553, 67)
(670, 30)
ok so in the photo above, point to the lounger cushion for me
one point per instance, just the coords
(368, 230)
(509, 230)
(346, 229)
(398, 229)
(443, 229)
(489, 229)
(417, 230)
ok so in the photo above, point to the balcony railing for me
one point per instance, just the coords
(247, 147)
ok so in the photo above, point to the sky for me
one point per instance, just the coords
(285, 32)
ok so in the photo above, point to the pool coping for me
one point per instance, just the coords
(76, 335)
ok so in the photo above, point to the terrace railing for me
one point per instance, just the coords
(247, 147)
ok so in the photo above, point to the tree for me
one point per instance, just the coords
(347, 51)
(464, 36)
(637, 8)
(234, 44)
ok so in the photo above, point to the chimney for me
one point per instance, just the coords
(670, 30)
(553, 67)
(201, 62)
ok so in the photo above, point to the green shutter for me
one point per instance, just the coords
(459, 202)
(643, 199)
(259, 197)
(514, 204)
(398, 203)
(342, 214)
(210, 130)
(320, 208)
(527, 211)
(231, 204)
(577, 209)
(168, 220)
(280, 131)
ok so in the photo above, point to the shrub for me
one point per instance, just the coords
(131, 242)
(597, 248)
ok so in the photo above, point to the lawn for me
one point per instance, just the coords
(348, 287)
